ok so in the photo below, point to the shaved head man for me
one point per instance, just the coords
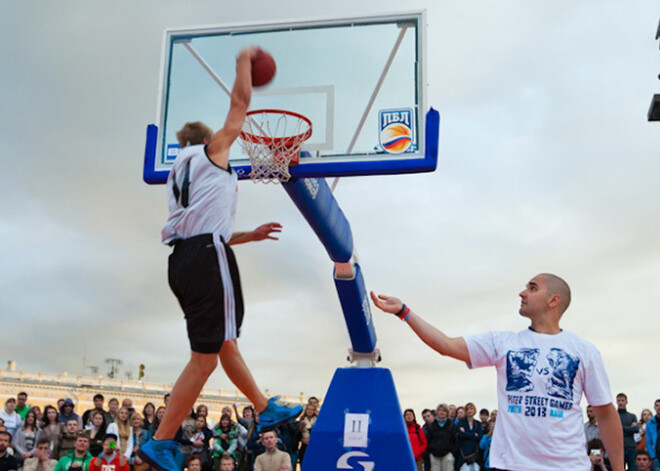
(542, 373)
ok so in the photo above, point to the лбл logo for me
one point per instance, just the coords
(395, 130)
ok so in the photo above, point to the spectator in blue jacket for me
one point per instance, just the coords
(652, 436)
(484, 444)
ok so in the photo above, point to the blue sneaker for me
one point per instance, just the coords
(276, 413)
(160, 454)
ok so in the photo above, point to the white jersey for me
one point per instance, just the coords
(540, 382)
(201, 197)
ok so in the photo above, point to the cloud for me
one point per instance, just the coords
(546, 164)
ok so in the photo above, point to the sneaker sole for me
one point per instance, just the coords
(151, 462)
(268, 428)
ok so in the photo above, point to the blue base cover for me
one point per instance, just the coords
(360, 391)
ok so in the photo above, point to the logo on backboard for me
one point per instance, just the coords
(395, 130)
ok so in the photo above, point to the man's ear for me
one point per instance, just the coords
(554, 300)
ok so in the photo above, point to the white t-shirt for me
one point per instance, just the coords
(201, 197)
(12, 421)
(540, 382)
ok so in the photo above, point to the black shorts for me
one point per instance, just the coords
(203, 275)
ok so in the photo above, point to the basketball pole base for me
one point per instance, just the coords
(360, 425)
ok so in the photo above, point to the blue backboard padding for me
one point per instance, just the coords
(150, 174)
(387, 164)
(357, 312)
(360, 391)
(317, 204)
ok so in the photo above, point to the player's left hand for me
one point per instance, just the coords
(267, 231)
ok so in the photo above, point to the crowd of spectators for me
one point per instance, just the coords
(57, 438)
(449, 438)
(453, 438)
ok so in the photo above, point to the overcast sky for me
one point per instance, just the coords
(547, 164)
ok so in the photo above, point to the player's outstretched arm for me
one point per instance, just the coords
(454, 347)
(609, 426)
(241, 94)
(269, 230)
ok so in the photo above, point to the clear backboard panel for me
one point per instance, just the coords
(359, 80)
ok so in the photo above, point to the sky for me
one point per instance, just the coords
(546, 164)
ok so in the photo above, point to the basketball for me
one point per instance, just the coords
(263, 68)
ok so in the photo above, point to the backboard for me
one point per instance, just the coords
(361, 81)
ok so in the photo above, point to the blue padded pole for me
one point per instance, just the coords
(315, 201)
(318, 205)
(357, 312)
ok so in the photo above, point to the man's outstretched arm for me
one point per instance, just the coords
(611, 432)
(454, 347)
(265, 231)
(241, 94)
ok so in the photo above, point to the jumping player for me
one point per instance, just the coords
(542, 373)
(203, 274)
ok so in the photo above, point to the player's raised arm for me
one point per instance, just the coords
(454, 347)
(241, 94)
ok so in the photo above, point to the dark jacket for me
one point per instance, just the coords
(629, 430)
(442, 439)
(8, 462)
(468, 440)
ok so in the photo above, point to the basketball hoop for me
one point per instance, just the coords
(272, 139)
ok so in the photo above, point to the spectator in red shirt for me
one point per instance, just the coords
(417, 437)
(110, 459)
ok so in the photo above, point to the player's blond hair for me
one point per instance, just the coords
(193, 133)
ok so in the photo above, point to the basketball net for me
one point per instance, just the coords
(272, 140)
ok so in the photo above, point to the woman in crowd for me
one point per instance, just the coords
(485, 442)
(25, 440)
(96, 431)
(640, 437)
(306, 426)
(201, 442)
(122, 428)
(37, 412)
(50, 427)
(149, 413)
(140, 436)
(160, 413)
(469, 436)
(248, 416)
(460, 414)
(225, 436)
(416, 436)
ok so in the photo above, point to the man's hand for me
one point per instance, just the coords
(248, 53)
(388, 304)
(267, 231)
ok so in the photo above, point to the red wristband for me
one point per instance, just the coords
(403, 313)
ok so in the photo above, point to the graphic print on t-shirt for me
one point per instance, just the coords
(522, 368)
(564, 368)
